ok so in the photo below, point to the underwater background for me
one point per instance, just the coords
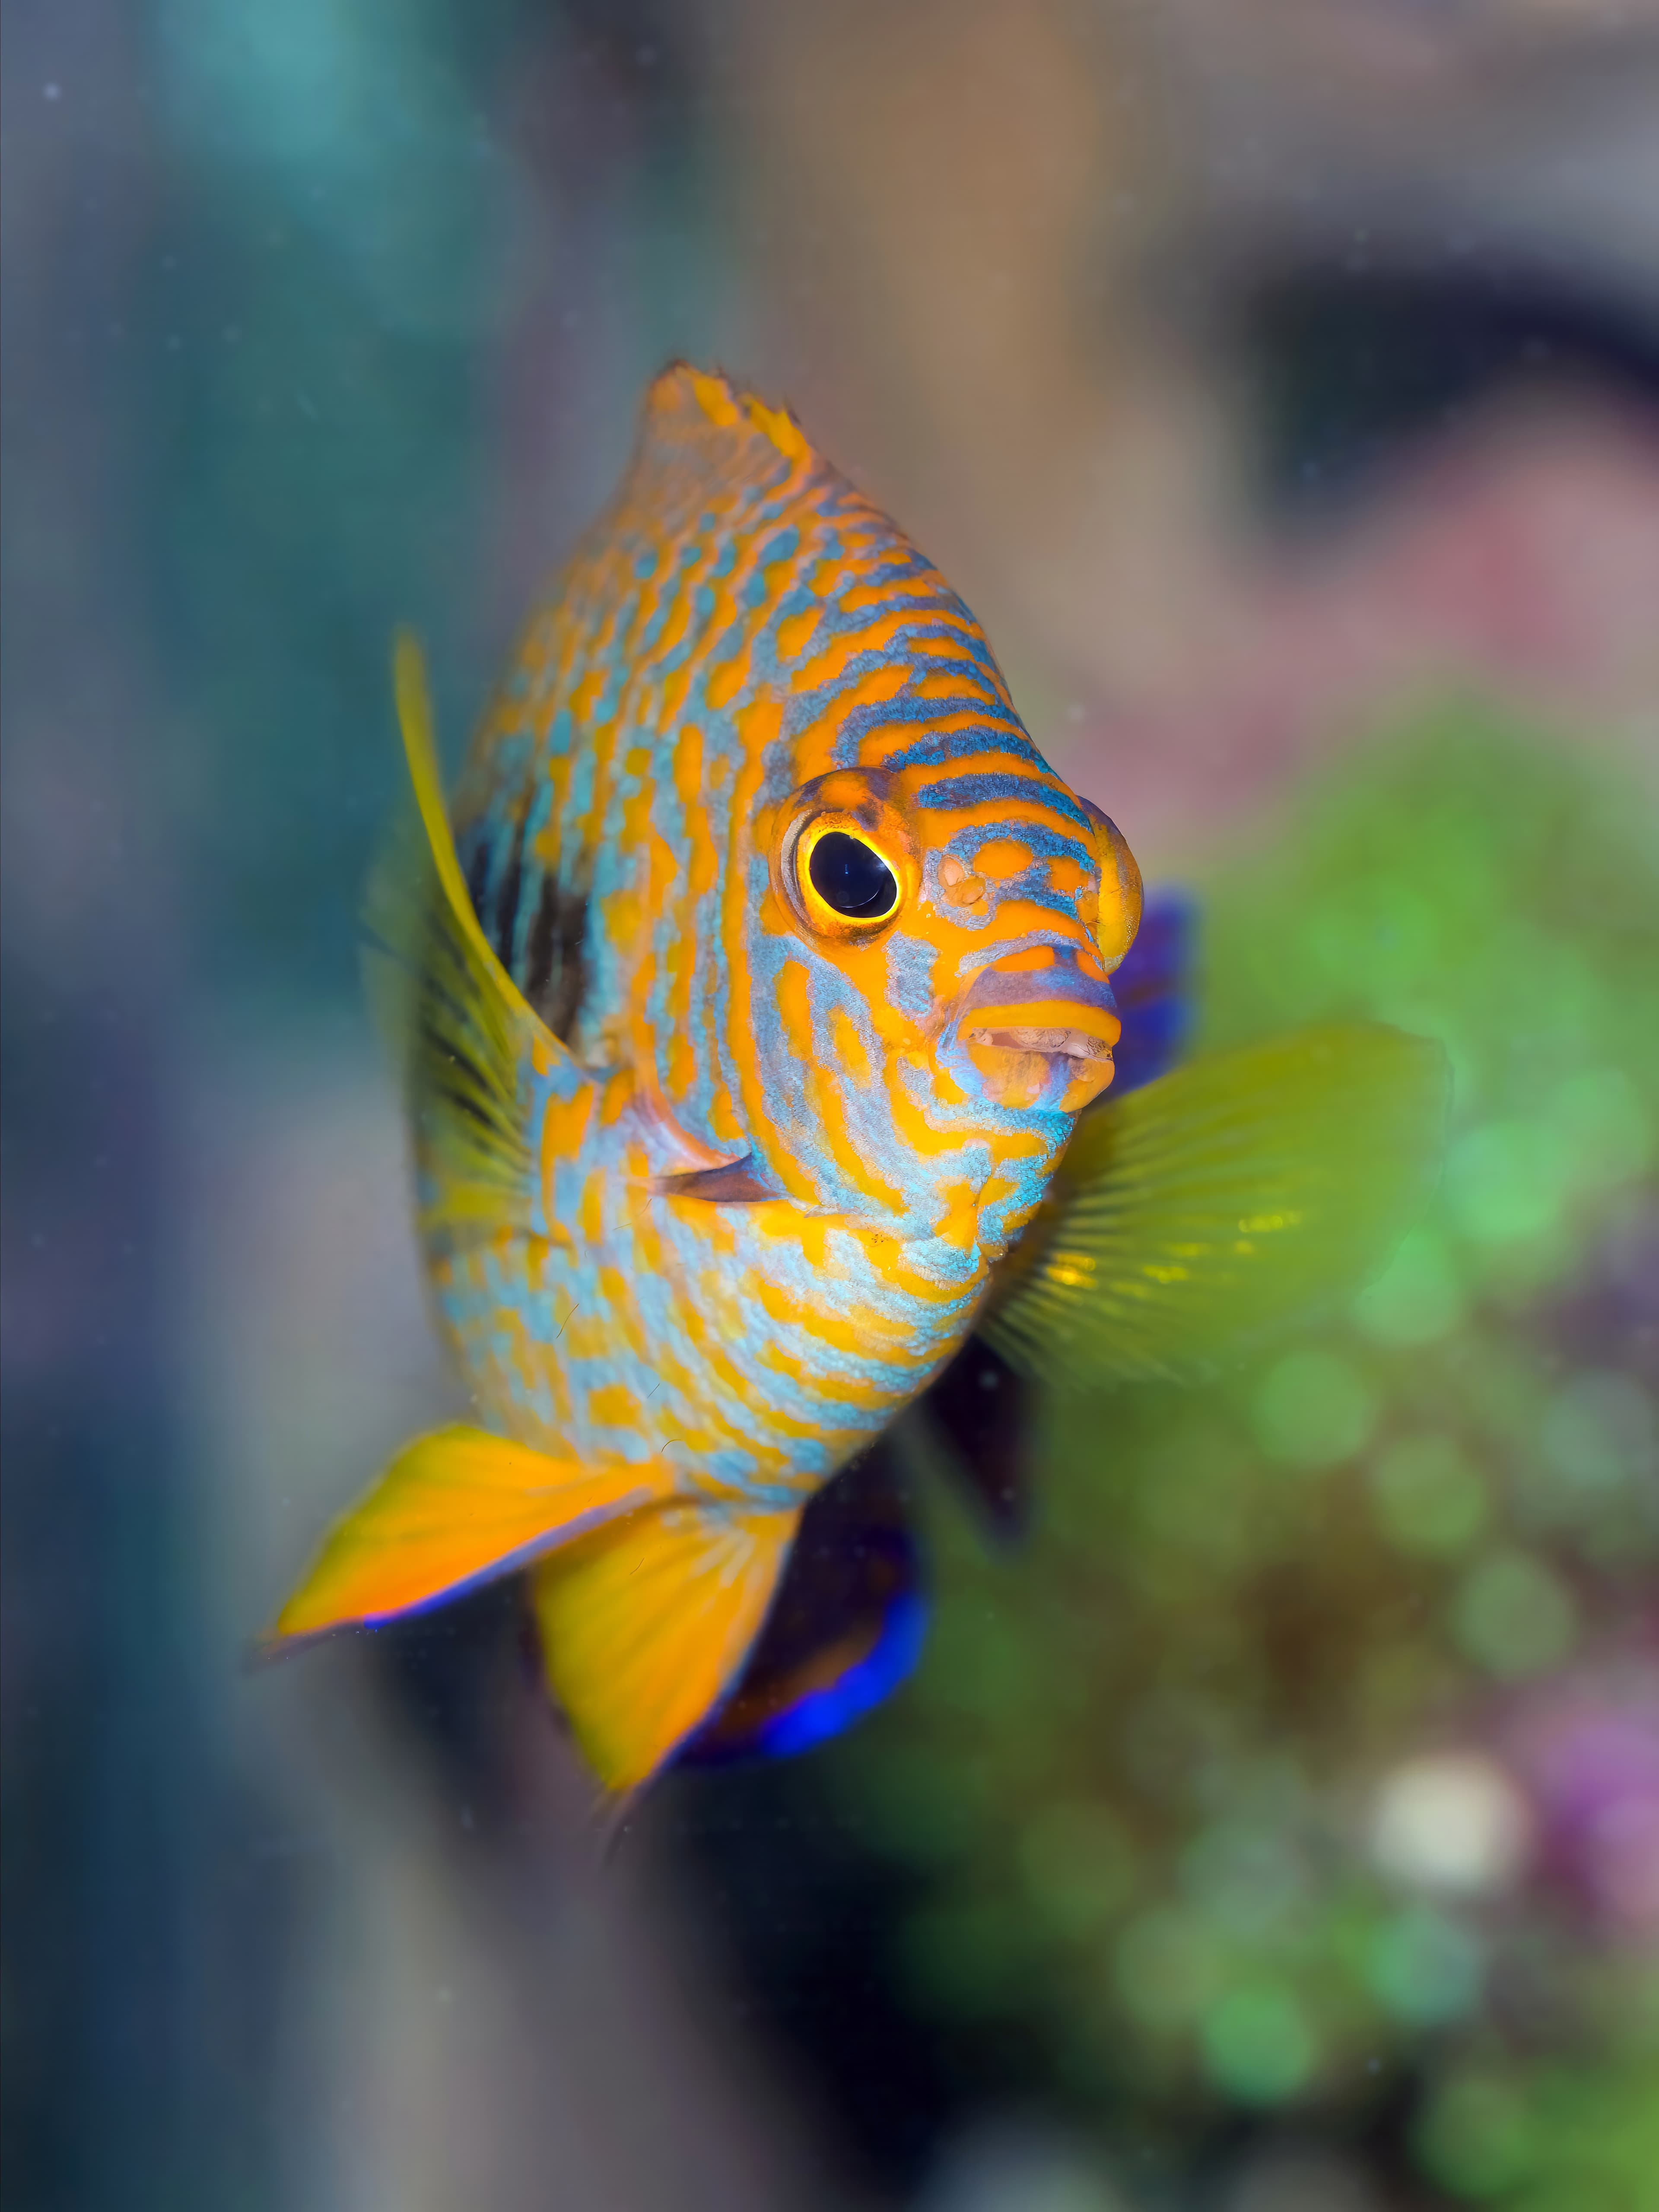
(1274, 1827)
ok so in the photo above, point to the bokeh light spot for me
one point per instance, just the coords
(1452, 1821)
(1427, 1495)
(1475, 2137)
(1312, 1409)
(1417, 1298)
(1514, 1617)
(1506, 1181)
(1257, 2044)
(1245, 1878)
(1165, 1967)
(1598, 1431)
(1605, 1125)
(1424, 1967)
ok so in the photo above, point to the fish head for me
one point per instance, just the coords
(958, 935)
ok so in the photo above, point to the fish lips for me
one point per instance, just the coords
(1040, 1037)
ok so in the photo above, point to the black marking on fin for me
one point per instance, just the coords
(477, 875)
(853, 1560)
(981, 1403)
(733, 1184)
(507, 900)
(555, 961)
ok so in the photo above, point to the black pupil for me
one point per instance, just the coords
(848, 875)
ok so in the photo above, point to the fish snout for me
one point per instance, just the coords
(1040, 1037)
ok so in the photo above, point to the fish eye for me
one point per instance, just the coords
(851, 877)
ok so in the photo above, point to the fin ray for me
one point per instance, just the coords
(844, 1629)
(468, 1042)
(644, 1627)
(1223, 1201)
(454, 1508)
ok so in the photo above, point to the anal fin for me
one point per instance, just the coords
(646, 1626)
(845, 1627)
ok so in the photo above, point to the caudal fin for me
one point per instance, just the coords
(645, 1626)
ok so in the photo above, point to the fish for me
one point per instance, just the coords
(848, 1624)
(752, 997)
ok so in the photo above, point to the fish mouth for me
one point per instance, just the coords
(1041, 1038)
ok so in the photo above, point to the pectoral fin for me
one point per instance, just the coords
(1223, 1202)
(734, 1182)
(453, 1508)
(646, 1626)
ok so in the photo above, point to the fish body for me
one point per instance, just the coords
(777, 1175)
(749, 997)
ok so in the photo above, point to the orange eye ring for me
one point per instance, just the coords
(847, 882)
(1119, 889)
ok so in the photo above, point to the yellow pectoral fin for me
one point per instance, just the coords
(645, 1626)
(454, 1508)
(1191, 1220)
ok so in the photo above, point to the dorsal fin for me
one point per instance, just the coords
(692, 409)
(701, 438)
(471, 1048)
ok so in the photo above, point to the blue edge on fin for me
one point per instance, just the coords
(820, 1713)
(859, 1584)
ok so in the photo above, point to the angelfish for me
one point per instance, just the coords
(753, 1000)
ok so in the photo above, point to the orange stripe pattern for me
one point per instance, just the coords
(805, 1130)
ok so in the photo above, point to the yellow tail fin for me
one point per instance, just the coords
(645, 1626)
(454, 1508)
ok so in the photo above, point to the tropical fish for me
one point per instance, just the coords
(848, 1622)
(753, 1003)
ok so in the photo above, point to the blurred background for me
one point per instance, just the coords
(1277, 1828)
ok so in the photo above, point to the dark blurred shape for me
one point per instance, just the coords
(984, 1408)
(845, 1628)
(1357, 369)
(1153, 985)
(455, 1678)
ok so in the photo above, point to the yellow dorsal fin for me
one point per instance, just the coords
(468, 1041)
(1237, 1195)
(644, 1626)
(413, 702)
